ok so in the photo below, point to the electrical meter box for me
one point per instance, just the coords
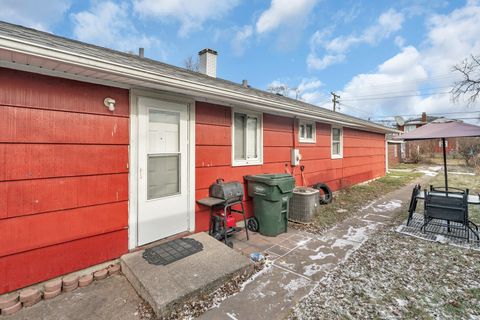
(295, 157)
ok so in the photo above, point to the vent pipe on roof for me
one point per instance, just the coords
(208, 62)
(141, 52)
(245, 83)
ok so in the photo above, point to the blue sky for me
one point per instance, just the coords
(382, 57)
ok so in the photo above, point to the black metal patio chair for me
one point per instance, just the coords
(449, 207)
(413, 202)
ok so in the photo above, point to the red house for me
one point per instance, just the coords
(103, 151)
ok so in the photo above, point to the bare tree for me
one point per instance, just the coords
(469, 86)
(191, 64)
(286, 91)
(281, 89)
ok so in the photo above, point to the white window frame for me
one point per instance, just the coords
(259, 159)
(314, 131)
(336, 156)
(440, 144)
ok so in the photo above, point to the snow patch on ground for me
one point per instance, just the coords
(302, 242)
(431, 171)
(312, 269)
(463, 173)
(294, 285)
(342, 243)
(321, 256)
(388, 206)
(359, 234)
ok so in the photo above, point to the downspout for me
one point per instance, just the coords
(386, 156)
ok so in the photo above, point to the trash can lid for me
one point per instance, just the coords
(268, 177)
(284, 181)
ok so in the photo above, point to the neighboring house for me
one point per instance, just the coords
(103, 151)
(426, 147)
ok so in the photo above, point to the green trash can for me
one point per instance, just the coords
(271, 194)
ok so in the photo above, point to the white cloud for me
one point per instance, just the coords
(387, 23)
(284, 12)
(241, 39)
(308, 90)
(314, 62)
(33, 14)
(417, 80)
(191, 14)
(109, 24)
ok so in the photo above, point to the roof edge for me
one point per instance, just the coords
(85, 61)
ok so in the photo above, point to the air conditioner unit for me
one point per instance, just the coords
(303, 204)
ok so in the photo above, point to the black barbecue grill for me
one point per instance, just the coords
(222, 197)
(228, 191)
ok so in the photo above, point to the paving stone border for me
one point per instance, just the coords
(11, 303)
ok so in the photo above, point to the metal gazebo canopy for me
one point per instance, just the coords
(441, 129)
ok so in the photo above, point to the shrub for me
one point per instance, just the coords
(469, 150)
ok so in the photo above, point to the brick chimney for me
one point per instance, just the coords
(424, 117)
(208, 62)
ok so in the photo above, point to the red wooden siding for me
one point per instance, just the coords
(363, 154)
(63, 177)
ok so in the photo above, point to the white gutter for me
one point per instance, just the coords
(180, 84)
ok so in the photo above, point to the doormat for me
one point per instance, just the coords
(172, 251)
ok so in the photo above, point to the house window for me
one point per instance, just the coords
(409, 127)
(247, 138)
(306, 131)
(441, 145)
(337, 143)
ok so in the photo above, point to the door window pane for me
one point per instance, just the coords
(163, 131)
(239, 139)
(163, 176)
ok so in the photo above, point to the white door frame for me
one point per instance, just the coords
(133, 160)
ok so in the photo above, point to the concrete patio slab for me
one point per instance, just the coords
(167, 287)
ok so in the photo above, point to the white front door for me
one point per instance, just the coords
(163, 169)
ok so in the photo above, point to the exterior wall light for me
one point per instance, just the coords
(109, 103)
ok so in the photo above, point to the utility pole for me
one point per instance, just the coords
(335, 98)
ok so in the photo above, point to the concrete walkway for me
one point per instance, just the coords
(299, 260)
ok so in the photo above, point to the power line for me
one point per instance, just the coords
(432, 114)
(394, 97)
(354, 108)
(395, 92)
